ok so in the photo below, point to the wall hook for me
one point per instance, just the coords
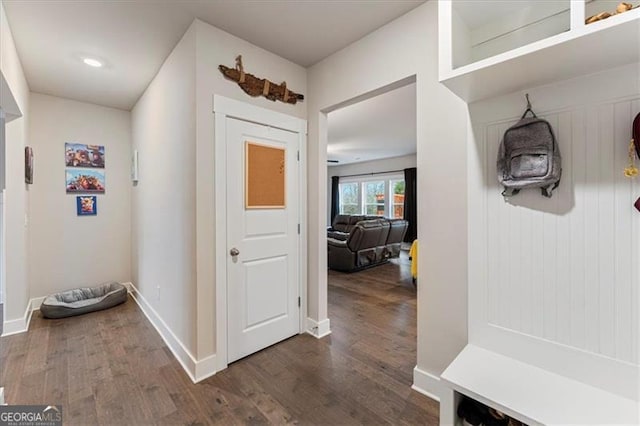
(528, 110)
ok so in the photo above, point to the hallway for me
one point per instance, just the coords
(112, 367)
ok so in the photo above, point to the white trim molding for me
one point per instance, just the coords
(205, 368)
(224, 108)
(318, 329)
(36, 302)
(220, 170)
(427, 384)
(197, 370)
(241, 110)
(19, 325)
(432, 387)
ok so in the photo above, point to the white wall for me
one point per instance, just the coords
(17, 194)
(163, 202)
(555, 282)
(68, 251)
(397, 51)
(215, 47)
(173, 205)
(375, 166)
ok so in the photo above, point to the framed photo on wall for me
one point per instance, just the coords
(87, 205)
(28, 165)
(83, 155)
(85, 181)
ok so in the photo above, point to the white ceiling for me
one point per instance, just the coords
(377, 128)
(134, 37)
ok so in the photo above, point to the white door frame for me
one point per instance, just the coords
(3, 216)
(222, 108)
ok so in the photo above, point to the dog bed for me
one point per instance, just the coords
(83, 300)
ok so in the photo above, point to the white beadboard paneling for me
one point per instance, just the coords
(493, 226)
(591, 231)
(550, 253)
(526, 277)
(563, 234)
(561, 292)
(577, 245)
(515, 273)
(563, 269)
(537, 251)
(606, 255)
(623, 241)
(635, 259)
(503, 291)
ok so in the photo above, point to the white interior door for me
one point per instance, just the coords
(262, 237)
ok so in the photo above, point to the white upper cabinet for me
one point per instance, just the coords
(489, 48)
(481, 29)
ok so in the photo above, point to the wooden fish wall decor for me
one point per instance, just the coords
(254, 86)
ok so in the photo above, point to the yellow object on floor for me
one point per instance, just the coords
(413, 254)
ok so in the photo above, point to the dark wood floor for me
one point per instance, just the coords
(112, 367)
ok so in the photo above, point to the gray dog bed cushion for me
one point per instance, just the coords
(83, 300)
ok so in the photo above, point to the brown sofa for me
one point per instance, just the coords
(344, 223)
(368, 243)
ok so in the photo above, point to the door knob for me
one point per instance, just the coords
(234, 252)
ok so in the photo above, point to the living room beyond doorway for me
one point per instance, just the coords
(371, 226)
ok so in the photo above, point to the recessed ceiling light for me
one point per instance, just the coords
(92, 62)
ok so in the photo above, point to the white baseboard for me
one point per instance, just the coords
(2, 397)
(196, 370)
(318, 329)
(432, 387)
(19, 325)
(36, 302)
(205, 368)
(427, 384)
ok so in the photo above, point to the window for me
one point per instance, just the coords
(397, 202)
(381, 196)
(349, 198)
(374, 200)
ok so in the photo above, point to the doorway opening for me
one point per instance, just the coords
(372, 223)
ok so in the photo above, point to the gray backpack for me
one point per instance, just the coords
(529, 157)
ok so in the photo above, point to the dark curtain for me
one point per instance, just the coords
(335, 197)
(410, 203)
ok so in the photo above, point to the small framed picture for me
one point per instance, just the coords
(28, 165)
(85, 180)
(87, 205)
(83, 155)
